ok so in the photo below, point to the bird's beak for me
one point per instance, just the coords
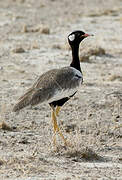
(86, 35)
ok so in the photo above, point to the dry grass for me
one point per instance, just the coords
(18, 50)
(1, 162)
(105, 12)
(43, 29)
(3, 124)
(23, 166)
(83, 147)
(116, 98)
(115, 77)
(94, 51)
(85, 154)
(34, 45)
(85, 51)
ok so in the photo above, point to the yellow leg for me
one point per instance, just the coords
(57, 110)
(56, 128)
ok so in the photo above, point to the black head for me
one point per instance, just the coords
(76, 37)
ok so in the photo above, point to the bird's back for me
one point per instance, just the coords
(50, 86)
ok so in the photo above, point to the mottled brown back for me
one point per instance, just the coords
(46, 86)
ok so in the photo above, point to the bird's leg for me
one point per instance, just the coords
(57, 110)
(56, 128)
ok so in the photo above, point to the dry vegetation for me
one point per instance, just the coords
(32, 41)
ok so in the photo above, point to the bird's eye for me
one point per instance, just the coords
(72, 37)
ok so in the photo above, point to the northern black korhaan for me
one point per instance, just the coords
(57, 85)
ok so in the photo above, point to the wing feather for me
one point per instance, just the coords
(47, 85)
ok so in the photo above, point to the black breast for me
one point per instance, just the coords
(61, 101)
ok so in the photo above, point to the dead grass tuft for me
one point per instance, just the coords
(19, 1)
(87, 53)
(104, 12)
(18, 50)
(89, 154)
(1, 162)
(5, 126)
(43, 29)
(34, 45)
(57, 46)
(115, 77)
(86, 50)
(78, 148)
(23, 165)
(24, 28)
(81, 154)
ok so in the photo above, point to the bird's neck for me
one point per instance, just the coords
(75, 57)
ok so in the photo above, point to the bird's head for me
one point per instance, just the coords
(76, 37)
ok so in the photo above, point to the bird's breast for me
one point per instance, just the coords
(69, 88)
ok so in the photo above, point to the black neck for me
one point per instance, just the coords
(75, 57)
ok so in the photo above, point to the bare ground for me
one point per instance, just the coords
(32, 41)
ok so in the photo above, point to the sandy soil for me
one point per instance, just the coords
(33, 39)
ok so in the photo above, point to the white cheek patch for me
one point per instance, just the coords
(72, 37)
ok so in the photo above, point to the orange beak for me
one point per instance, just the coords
(86, 35)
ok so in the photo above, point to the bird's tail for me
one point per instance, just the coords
(23, 101)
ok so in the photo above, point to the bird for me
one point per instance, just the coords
(57, 86)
